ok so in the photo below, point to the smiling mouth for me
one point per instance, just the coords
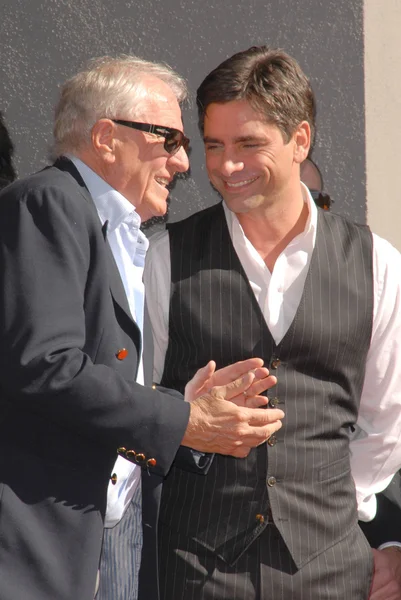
(239, 184)
(163, 181)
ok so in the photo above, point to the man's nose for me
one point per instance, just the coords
(230, 165)
(180, 160)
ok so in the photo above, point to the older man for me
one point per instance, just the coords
(316, 296)
(71, 257)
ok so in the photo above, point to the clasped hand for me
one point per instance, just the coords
(234, 427)
(386, 583)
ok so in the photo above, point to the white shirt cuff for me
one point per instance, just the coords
(389, 545)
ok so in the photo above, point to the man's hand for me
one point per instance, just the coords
(208, 377)
(216, 425)
(387, 576)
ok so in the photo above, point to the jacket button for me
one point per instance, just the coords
(274, 402)
(130, 455)
(260, 518)
(122, 451)
(151, 462)
(272, 441)
(271, 481)
(113, 479)
(121, 354)
(154, 386)
(276, 362)
(140, 458)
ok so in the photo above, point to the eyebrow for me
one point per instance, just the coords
(241, 139)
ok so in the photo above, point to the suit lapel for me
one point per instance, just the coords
(113, 274)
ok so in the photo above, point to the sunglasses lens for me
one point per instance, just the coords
(173, 142)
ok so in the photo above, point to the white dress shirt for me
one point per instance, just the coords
(376, 444)
(129, 246)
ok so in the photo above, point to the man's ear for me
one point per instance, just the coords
(302, 138)
(103, 140)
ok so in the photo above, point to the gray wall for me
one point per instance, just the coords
(383, 108)
(42, 42)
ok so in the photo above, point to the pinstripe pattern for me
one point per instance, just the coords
(265, 571)
(121, 555)
(213, 313)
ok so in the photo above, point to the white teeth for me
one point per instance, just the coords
(162, 181)
(240, 183)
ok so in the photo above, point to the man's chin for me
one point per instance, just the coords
(158, 214)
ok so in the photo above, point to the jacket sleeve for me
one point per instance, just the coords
(45, 251)
(188, 459)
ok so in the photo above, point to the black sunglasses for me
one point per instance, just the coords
(174, 138)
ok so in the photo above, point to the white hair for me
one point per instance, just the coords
(107, 88)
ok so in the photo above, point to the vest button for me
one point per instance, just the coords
(276, 362)
(122, 354)
(260, 518)
(272, 441)
(271, 481)
(274, 402)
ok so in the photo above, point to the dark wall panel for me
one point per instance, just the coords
(44, 42)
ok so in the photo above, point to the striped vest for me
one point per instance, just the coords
(301, 478)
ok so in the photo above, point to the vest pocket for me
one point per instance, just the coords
(335, 469)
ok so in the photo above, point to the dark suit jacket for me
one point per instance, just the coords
(67, 402)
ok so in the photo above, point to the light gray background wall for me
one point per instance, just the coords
(382, 23)
(42, 42)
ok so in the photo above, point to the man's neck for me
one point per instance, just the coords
(87, 157)
(271, 229)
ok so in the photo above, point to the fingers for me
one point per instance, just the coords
(216, 425)
(195, 385)
(254, 426)
(241, 451)
(261, 372)
(203, 374)
(260, 385)
(245, 390)
(228, 374)
(251, 397)
(259, 417)
(232, 376)
(234, 388)
(386, 583)
(255, 437)
(250, 402)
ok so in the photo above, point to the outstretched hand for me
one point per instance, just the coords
(236, 376)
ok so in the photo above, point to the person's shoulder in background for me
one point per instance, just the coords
(7, 170)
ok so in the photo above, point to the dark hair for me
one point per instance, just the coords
(270, 80)
(7, 171)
